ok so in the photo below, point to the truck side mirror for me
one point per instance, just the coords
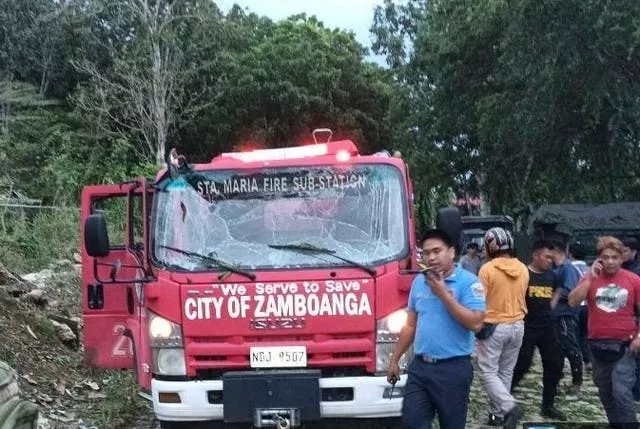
(449, 220)
(96, 238)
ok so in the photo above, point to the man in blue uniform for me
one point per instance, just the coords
(446, 307)
(565, 317)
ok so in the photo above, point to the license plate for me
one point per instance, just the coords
(278, 357)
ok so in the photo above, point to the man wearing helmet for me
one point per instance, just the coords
(505, 280)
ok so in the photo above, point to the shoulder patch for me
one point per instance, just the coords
(477, 290)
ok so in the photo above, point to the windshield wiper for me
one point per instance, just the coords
(306, 247)
(218, 262)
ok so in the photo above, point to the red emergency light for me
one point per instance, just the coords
(343, 150)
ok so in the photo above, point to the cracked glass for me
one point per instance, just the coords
(356, 211)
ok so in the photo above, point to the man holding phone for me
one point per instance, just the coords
(613, 295)
(446, 306)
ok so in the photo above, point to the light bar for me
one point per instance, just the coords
(279, 154)
(343, 150)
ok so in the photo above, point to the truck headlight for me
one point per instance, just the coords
(169, 361)
(388, 329)
(383, 357)
(387, 334)
(163, 332)
(165, 338)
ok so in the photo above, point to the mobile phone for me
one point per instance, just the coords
(424, 268)
(597, 270)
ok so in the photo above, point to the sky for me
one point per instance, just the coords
(354, 15)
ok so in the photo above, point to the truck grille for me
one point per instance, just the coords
(208, 355)
(347, 371)
(331, 394)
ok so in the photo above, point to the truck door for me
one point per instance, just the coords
(110, 292)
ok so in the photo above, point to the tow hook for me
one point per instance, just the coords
(280, 418)
(283, 422)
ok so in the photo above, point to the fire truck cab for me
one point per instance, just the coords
(263, 288)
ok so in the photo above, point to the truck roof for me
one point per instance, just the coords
(329, 153)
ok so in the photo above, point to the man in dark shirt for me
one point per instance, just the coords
(629, 251)
(471, 260)
(630, 262)
(578, 256)
(538, 329)
(564, 317)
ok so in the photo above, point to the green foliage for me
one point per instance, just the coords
(521, 102)
(37, 37)
(31, 239)
(282, 80)
(529, 101)
(94, 92)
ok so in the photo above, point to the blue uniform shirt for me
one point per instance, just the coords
(568, 279)
(438, 333)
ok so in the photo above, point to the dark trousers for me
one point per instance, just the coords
(552, 361)
(566, 332)
(437, 388)
(583, 336)
(615, 381)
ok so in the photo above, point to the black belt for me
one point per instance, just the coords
(429, 359)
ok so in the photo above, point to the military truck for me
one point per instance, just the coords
(584, 223)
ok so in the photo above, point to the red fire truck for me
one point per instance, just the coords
(263, 288)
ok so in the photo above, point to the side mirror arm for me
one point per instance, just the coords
(113, 279)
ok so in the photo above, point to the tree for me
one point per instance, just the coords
(293, 76)
(529, 101)
(36, 41)
(142, 94)
(118, 82)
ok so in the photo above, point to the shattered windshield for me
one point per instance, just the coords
(238, 216)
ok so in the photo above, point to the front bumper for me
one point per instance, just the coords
(367, 402)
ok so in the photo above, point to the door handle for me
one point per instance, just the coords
(95, 296)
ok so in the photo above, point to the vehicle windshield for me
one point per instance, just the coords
(356, 211)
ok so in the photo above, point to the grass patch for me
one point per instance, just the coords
(122, 407)
(31, 241)
(42, 325)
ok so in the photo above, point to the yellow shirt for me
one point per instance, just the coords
(505, 282)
